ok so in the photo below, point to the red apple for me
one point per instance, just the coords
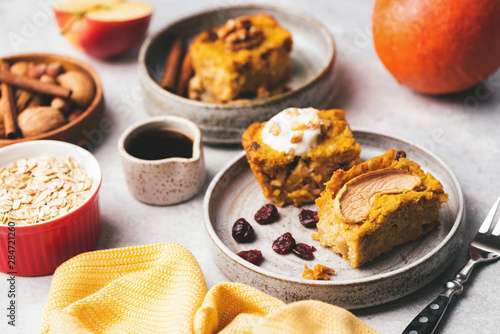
(103, 28)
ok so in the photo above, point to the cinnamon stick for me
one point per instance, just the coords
(172, 66)
(185, 75)
(34, 85)
(9, 107)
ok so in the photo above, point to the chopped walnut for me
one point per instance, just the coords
(319, 272)
(274, 129)
(292, 112)
(240, 34)
(297, 137)
(232, 26)
(298, 126)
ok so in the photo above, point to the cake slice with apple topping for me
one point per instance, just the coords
(376, 205)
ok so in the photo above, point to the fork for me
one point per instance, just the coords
(484, 248)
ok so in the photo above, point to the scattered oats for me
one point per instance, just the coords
(274, 129)
(37, 190)
(297, 137)
(292, 112)
(40, 186)
(314, 122)
(298, 126)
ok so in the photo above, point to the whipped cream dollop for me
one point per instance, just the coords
(293, 131)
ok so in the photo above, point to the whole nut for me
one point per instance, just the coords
(54, 69)
(61, 104)
(23, 98)
(82, 87)
(19, 68)
(37, 120)
(36, 71)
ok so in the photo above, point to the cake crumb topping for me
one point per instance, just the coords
(319, 272)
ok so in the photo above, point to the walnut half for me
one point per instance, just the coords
(239, 33)
(353, 202)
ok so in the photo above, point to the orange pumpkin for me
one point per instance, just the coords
(438, 46)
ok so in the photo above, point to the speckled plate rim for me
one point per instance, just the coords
(222, 247)
(142, 68)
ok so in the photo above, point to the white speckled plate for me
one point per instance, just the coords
(234, 193)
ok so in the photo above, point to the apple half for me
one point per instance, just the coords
(103, 28)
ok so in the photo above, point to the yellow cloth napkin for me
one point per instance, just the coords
(160, 288)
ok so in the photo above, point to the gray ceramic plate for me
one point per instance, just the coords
(234, 193)
(312, 79)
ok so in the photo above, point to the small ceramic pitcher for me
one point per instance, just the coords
(164, 181)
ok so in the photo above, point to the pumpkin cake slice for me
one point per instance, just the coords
(296, 152)
(376, 205)
(249, 55)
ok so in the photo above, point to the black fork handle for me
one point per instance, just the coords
(428, 319)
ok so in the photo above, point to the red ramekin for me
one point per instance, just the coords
(38, 249)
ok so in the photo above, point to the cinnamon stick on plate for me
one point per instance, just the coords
(34, 85)
(185, 75)
(8, 106)
(172, 66)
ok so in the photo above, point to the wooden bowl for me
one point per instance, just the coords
(74, 131)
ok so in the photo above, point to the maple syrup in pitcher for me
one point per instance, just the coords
(159, 143)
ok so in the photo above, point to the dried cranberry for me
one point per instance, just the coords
(284, 244)
(400, 154)
(266, 215)
(255, 146)
(304, 251)
(253, 256)
(308, 218)
(242, 231)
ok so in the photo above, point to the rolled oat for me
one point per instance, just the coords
(35, 190)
